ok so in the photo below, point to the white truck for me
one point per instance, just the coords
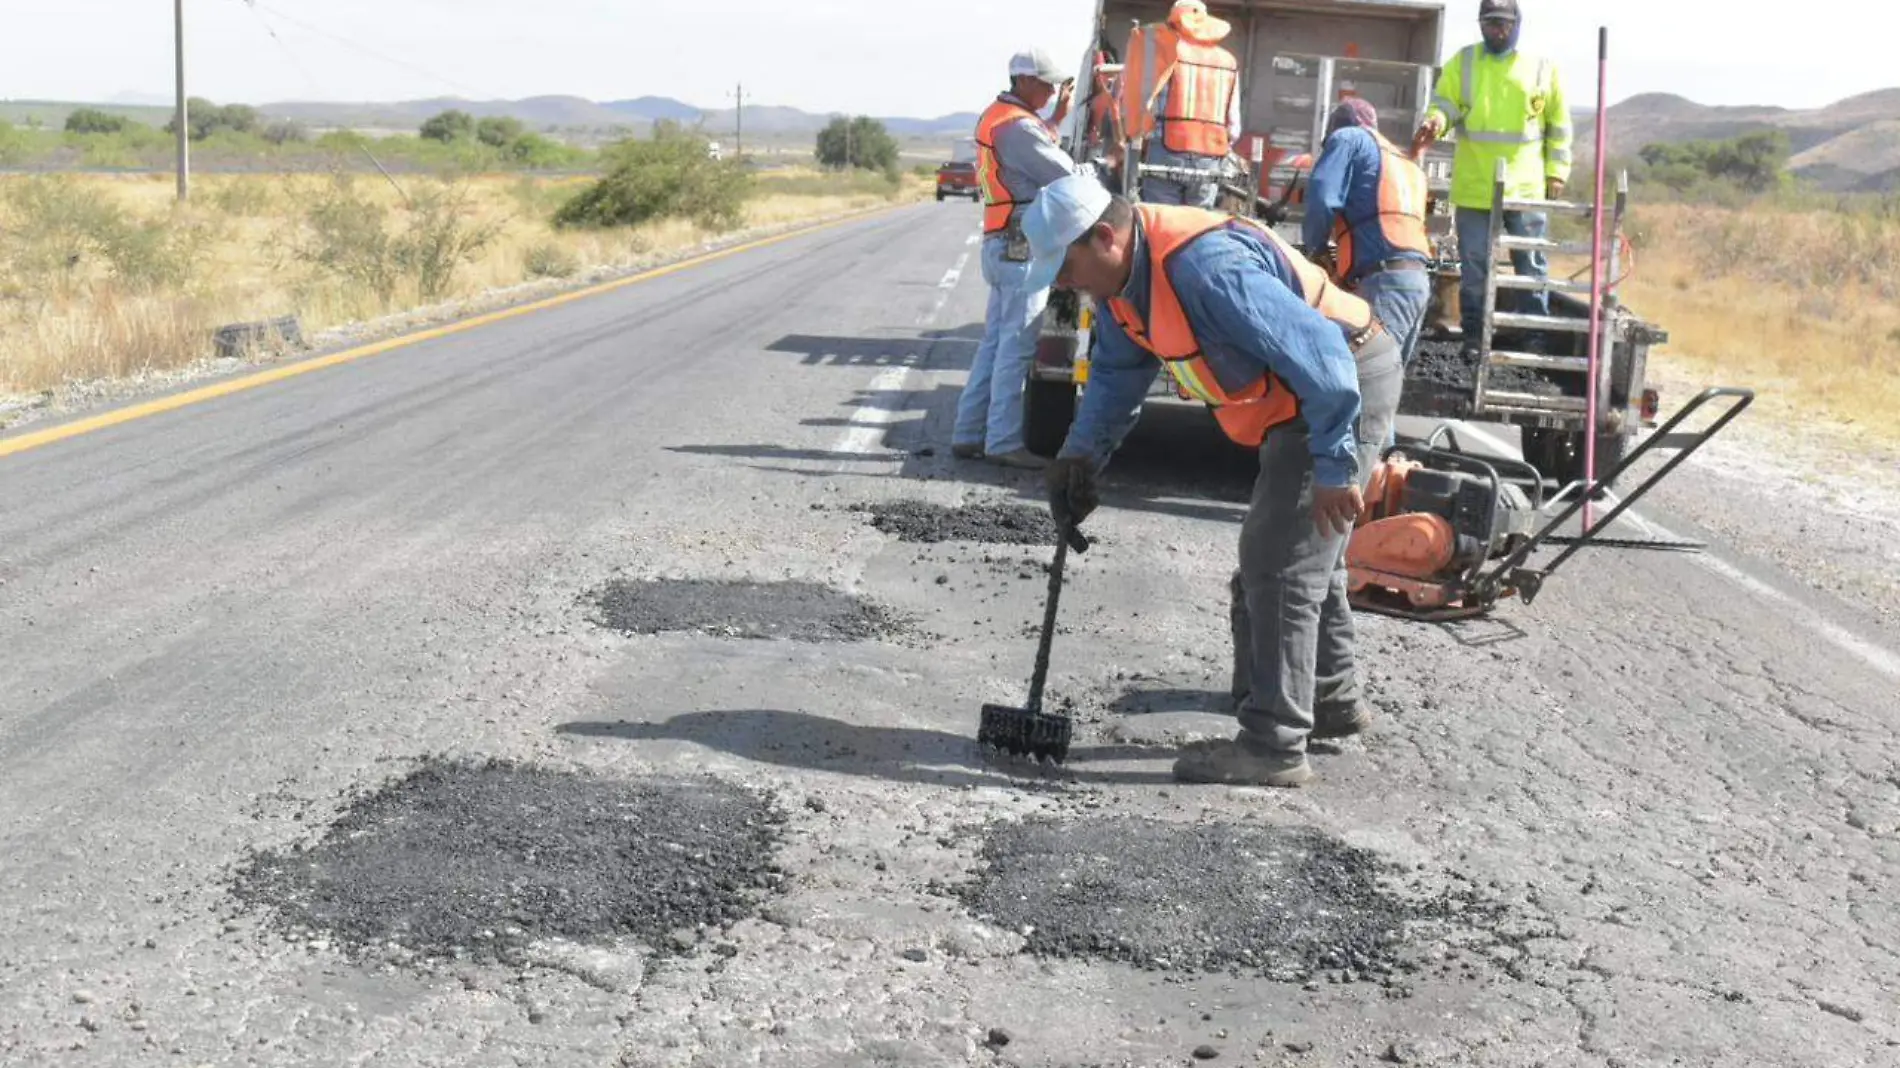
(1298, 59)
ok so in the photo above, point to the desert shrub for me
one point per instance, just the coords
(551, 260)
(668, 176)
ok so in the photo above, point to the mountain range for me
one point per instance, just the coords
(1851, 145)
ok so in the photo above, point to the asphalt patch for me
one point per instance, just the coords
(799, 611)
(1445, 363)
(1283, 903)
(992, 524)
(479, 860)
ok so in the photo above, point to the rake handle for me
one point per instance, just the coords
(1069, 536)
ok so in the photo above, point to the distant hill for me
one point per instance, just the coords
(1848, 146)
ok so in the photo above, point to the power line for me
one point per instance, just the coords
(364, 49)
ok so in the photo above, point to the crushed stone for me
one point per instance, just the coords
(1284, 903)
(992, 524)
(475, 861)
(799, 611)
(1444, 363)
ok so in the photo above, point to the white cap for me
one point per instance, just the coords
(1063, 211)
(1037, 63)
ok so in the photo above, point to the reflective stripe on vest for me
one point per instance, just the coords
(1246, 414)
(1200, 96)
(1400, 212)
(997, 200)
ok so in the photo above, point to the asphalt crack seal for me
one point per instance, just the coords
(800, 611)
(1284, 903)
(992, 524)
(481, 860)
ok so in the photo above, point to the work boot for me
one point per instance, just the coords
(1021, 458)
(967, 452)
(1341, 721)
(1229, 764)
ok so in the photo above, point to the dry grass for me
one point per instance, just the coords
(106, 277)
(1799, 306)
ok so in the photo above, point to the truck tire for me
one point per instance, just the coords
(939, 196)
(1048, 409)
(1558, 454)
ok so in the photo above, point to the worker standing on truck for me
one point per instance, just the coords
(1293, 366)
(1197, 111)
(1368, 199)
(1016, 155)
(1504, 105)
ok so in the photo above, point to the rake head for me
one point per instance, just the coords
(1019, 732)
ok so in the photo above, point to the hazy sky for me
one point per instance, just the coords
(896, 57)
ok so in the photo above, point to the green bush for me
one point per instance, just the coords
(449, 126)
(60, 230)
(499, 132)
(94, 121)
(668, 176)
(550, 260)
(862, 143)
(350, 239)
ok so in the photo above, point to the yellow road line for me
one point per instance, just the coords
(35, 439)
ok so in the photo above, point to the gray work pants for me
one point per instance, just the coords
(1293, 632)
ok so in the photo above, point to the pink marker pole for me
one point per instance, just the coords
(1597, 295)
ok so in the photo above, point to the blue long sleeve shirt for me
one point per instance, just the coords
(1245, 306)
(1345, 181)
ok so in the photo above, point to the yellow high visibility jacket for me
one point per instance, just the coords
(1508, 107)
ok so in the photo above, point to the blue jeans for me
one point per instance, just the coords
(1474, 251)
(1399, 298)
(990, 412)
(1166, 191)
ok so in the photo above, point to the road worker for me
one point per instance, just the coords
(1294, 366)
(1197, 111)
(1504, 105)
(1368, 200)
(1016, 155)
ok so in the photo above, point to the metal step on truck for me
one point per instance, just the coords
(1298, 59)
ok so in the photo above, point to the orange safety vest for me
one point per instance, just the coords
(989, 170)
(1248, 413)
(1401, 212)
(1200, 94)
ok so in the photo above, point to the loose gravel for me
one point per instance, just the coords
(477, 861)
(799, 611)
(1444, 362)
(1284, 903)
(993, 524)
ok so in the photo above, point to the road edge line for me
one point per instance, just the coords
(35, 439)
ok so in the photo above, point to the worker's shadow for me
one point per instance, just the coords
(894, 754)
(951, 349)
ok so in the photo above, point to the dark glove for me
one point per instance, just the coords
(1072, 493)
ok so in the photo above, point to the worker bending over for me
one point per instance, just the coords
(1504, 105)
(1016, 155)
(1197, 112)
(1293, 366)
(1369, 199)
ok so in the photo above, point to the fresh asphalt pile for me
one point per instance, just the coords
(1445, 363)
(799, 611)
(992, 524)
(477, 861)
(1284, 903)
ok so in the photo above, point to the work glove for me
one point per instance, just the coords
(1072, 494)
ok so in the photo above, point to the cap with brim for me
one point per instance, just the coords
(1190, 17)
(1037, 63)
(1062, 212)
(1497, 11)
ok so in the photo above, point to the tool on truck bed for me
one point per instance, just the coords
(1029, 731)
(1435, 520)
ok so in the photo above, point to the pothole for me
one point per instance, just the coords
(993, 524)
(799, 611)
(1284, 903)
(479, 861)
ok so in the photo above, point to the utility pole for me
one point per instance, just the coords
(739, 118)
(183, 120)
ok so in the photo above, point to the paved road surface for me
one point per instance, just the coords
(1677, 778)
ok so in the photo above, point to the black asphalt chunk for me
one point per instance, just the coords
(993, 524)
(476, 861)
(1284, 903)
(800, 611)
(1444, 362)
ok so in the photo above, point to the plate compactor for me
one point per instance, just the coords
(1436, 519)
